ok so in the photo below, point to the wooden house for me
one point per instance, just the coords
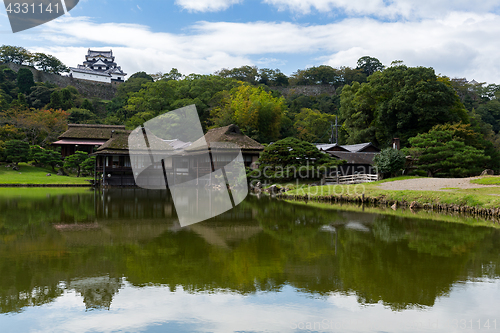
(358, 157)
(85, 138)
(184, 160)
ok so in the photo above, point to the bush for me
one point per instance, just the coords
(292, 158)
(390, 161)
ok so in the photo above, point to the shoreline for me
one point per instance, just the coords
(383, 202)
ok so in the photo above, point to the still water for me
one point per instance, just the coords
(78, 261)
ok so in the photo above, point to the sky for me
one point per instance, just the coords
(458, 38)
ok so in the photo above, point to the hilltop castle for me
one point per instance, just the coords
(99, 66)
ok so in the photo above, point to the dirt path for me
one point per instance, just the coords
(432, 184)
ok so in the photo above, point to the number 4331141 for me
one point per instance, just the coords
(26, 8)
(464, 324)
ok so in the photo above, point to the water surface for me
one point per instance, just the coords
(78, 261)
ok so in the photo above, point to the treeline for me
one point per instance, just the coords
(372, 103)
(41, 61)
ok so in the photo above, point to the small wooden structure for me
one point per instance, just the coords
(359, 157)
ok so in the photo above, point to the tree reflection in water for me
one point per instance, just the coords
(91, 242)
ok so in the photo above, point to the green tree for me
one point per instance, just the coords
(272, 77)
(10, 132)
(75, 161)
(142, 75)
(25, 80)
(39, 96)
(16, 54)
(398, 102)
(389, 161)
(490, 113)
(244, 73)
(293, 158)
(441, 153)
(167, 95)
(88, 166)
(257, 113)
(81, 116)
(17, 151)
(369, 65)
(174, 74)
(86, 104)
(45, 157)
(56, 101)
(48, 63)
(313, 126)
(316, 75)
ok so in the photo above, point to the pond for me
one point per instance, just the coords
(117, 261)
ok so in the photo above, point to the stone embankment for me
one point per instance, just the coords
(382, 201)
(88, 89)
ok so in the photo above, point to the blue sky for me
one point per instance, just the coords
(457, 38)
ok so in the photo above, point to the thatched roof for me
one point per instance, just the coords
(119, 143)
(92, 132)
(225, 137)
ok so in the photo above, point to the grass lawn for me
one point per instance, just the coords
(487, 180)
(488, 197)
(33, 175)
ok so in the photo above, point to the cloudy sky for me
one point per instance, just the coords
(458, 38)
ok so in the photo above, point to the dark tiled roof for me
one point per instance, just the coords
(94, 53)
(359, 147)
(225, 137)
(91, 132)
(354, 158)
(328, 146)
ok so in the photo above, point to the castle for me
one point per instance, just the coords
(99, 66)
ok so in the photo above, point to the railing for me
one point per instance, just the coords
(353, 179)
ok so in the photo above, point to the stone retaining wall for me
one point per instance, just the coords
(88, 89)
(381, 201)
(306, 90)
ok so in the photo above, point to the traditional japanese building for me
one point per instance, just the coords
(85, 137)
(185, 160)
(359, 157)
(99, 66)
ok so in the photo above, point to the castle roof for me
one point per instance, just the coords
(87, 70)
(94, 53)
(99, 62)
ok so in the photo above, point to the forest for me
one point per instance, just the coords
(450, 126)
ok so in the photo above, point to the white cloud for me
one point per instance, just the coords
(206, 5)
(382, 8)
(459, 44)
